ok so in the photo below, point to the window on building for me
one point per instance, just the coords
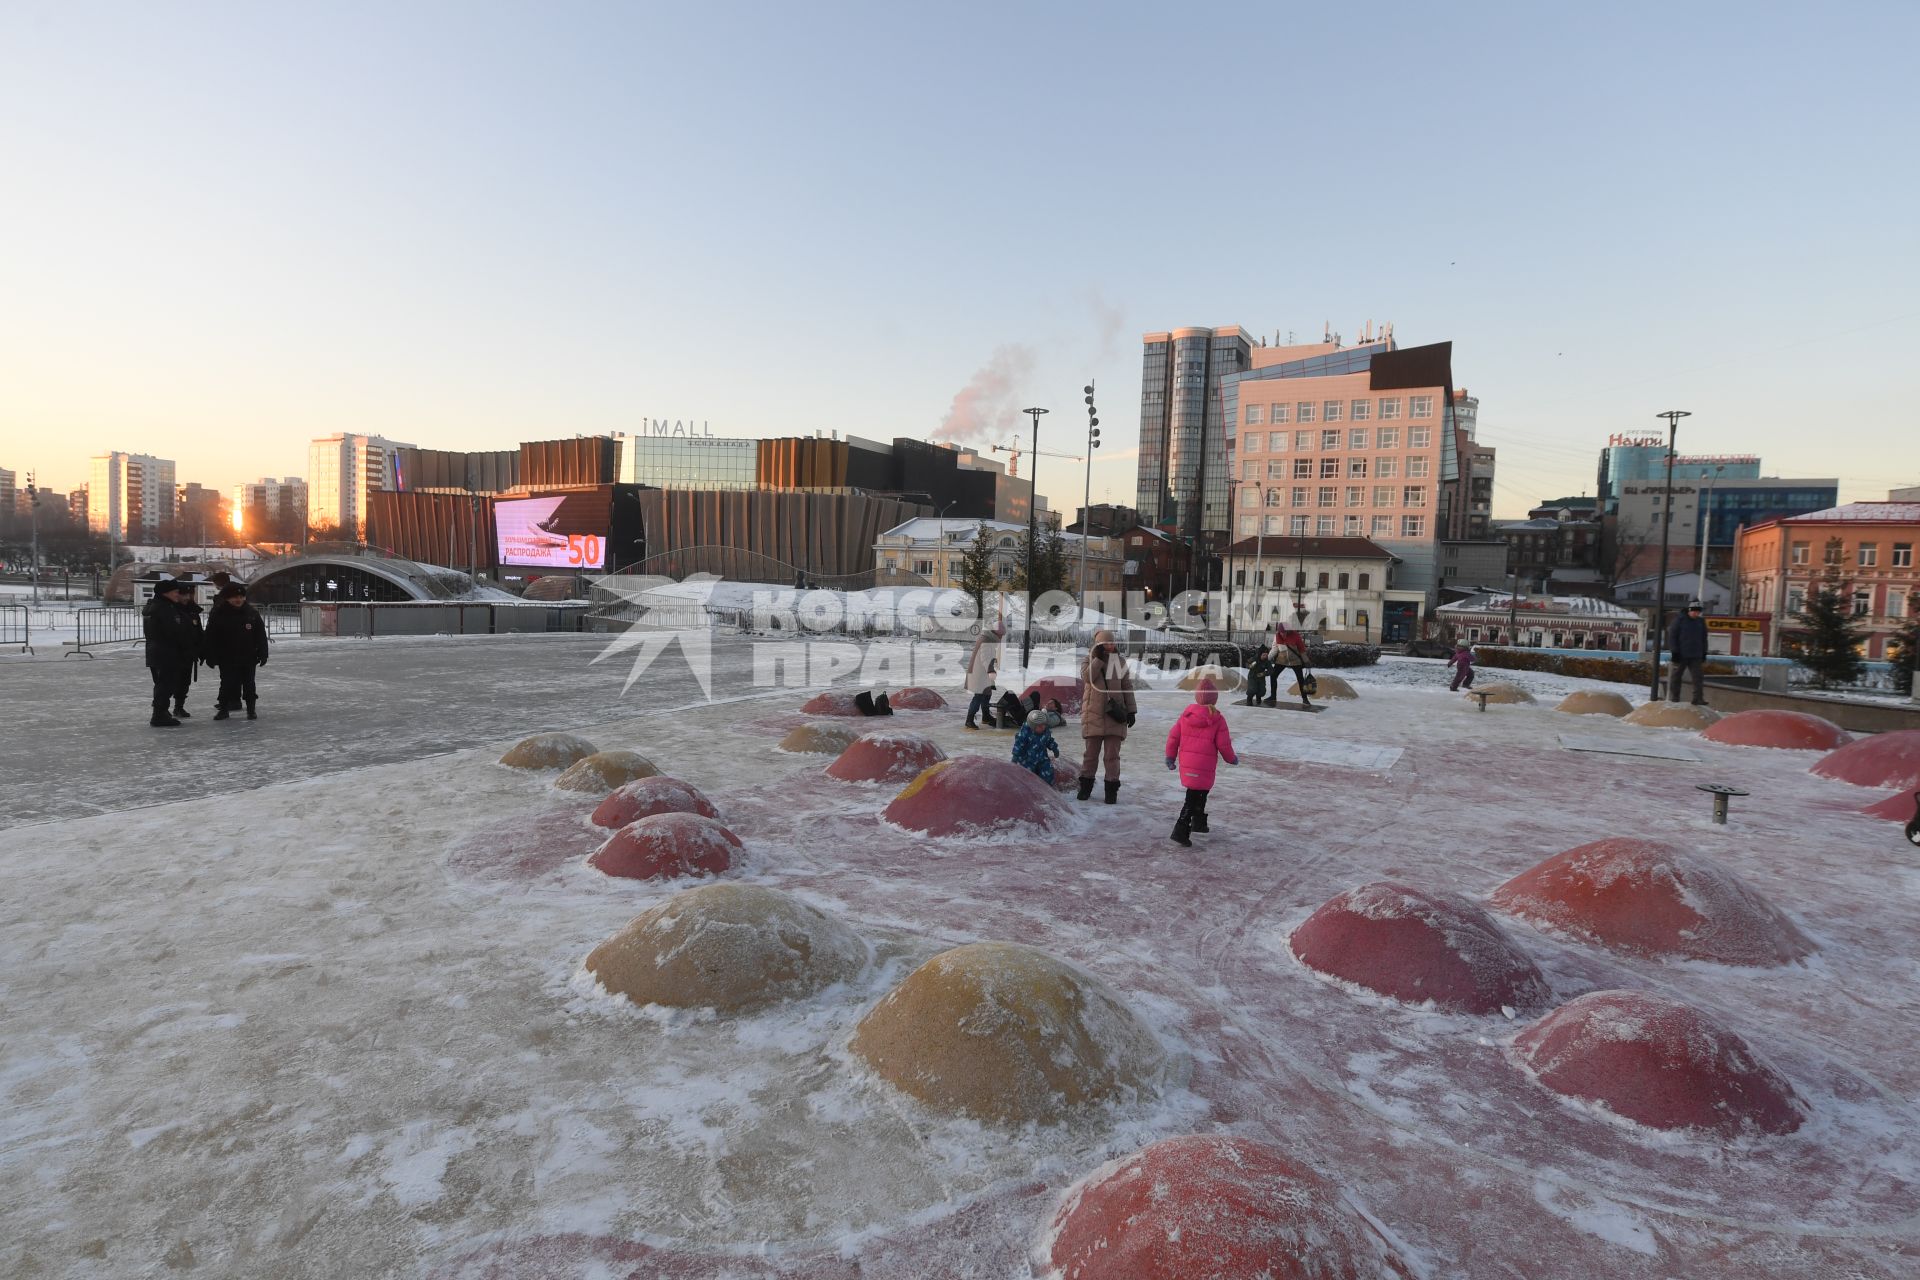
(1278, 415)
(1417, 466)
(1248, 524)
(1329, 497)
(923, 567)
(1413, 526)
(1277, 442)
(1386, 468)
(1356, 468)
(1250, 470)
(1273, 523)
(1299, 579)
(1253, 442)
(1332, 410)
(1300, 496)
(1275, 497)
(1253, 414)
(1389, 407)
(1419, 437)
(1869, 555)
(1298, 526)
(1303, 468)
(1303, 412)
(1323, 526)
(1836, 551)
(1351, 526)
(1413, 495)
(1796, 600)
(1383, 526)
(1361, 410)
(1800, 552)
(1419, 406)
(1356, 495)
(1896, 605)
(1342, 582)
(1276, 469)
(1356, 437)
(1322, 583)
(1862, 603)
(1249, 497)
(1329, 468)
(1366, 582)
(1383, 495)
(1329, 439)
(1386, 437)
(1903, 555)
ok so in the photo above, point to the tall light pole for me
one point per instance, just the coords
(1033, 548)
(33, 518)
(1086, 501)
(1706, 523)
(1673, 417)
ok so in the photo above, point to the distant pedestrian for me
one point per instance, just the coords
(1107, 711)
(1034, 748)
(173, 646)
(235, 644)
(979, 682)
(1259, 673)
(1289, 654)
(1461, 660)
(1197, 740)
(1687, 643)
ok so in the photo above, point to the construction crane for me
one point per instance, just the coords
(1013, 465)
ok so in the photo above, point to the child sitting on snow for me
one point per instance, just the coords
(1034, 747)
(1197, 739)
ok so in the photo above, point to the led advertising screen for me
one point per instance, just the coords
(559, 531)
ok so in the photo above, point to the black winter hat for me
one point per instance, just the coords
(230, 590)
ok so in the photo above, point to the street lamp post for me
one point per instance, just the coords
(1706, 524)
(1033, 548)
(33, 517)
(1086, 500)
(1673, 417)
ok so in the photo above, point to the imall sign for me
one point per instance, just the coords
(675, 427)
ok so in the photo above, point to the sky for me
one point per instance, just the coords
(228, 228)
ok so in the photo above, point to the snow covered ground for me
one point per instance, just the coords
(302, 997)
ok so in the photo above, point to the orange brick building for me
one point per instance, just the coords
(1867, 547)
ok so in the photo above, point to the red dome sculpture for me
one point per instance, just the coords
(1883, 760)
(886, 757)
(1066, 688)
(665, 846)
(644, 797)
(973, 796)
(916, 698)
(1791, 730)
(833, 702)
(1659, 1063)
(1654, 899)
(1898, 807)
(1415, 946)
(1209, 1208)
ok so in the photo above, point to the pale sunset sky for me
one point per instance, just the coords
(228, 228)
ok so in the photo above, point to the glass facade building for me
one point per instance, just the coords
(1638, 464)
(689, 462)
(1182, 478)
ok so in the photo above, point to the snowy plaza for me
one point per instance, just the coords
(309, 996)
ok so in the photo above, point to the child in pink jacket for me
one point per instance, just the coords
(1198, 738)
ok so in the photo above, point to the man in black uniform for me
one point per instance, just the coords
(190, 610)
(172, 646)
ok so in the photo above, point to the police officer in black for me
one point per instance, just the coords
(173, 646)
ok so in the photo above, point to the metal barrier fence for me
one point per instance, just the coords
(107, 624)
(16, 628)
(367, 619)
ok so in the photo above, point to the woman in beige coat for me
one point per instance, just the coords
(1104, 679)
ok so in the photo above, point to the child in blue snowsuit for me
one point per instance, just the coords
(1034, 747)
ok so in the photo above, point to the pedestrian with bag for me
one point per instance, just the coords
(173, 646)
(1290, 654)
(235, 644)
(980, 676)
(1687, 650)
(1107, 711)
(1197, 740)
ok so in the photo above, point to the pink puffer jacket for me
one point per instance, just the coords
(1198, 739)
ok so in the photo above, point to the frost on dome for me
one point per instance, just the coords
(972, 796)
(1003, 1032)
(887, 756)
(1649, 898)
(645, 797)
(1595, 702)
(1414, 946)
(1659, 1063)
(667, 845)
(1225, 679)
(1065, 689)
(1210, 1208)
(729, 947)
(1500, 694)
(602, 771)
(1672, 715)
(1789, 730)
(916, 698)
(1328, 687)
(1883, 760)
(547, 751)
(1899, 807)
(820, 739)
(834, 702)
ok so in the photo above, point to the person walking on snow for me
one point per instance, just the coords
(173, 646)
(1259, 671)
(979, 680)
(236, 643)
(1107, 711)
(1034, 748)
(1461, 660)
(1289, 654)
(1687, 645)
(1197, 740)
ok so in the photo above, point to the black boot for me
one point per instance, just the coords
(1086, 789)
(1113, 792)
(251, 713)
(1181, 826)
(881, 707)
(222, 713)
(180, 710)
(163, 721)
(1198, 819)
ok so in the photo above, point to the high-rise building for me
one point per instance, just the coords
(1466, 502)
(1182, 478)
(1642, 460)
(203, 517)
(77, 505)
(9, 489)
(130, 496)
(269, 509)
(341, 470)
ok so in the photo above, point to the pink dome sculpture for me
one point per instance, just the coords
(1789, 730)
(666, 846)
(972, 796)
(1659, 1063)
(1648, 898)
(1882, 760)
(832, 702)
(1066, 688)
(1210, 1208)
(886, 756)
(1414, 946)
(916, 698)
(644, 797)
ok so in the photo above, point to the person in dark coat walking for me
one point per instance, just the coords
(173, 646)
(1687, 643)
(235, 644)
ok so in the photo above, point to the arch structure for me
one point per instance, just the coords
(357, 572)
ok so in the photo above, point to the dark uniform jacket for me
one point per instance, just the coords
(173, 636)
(234, 636)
